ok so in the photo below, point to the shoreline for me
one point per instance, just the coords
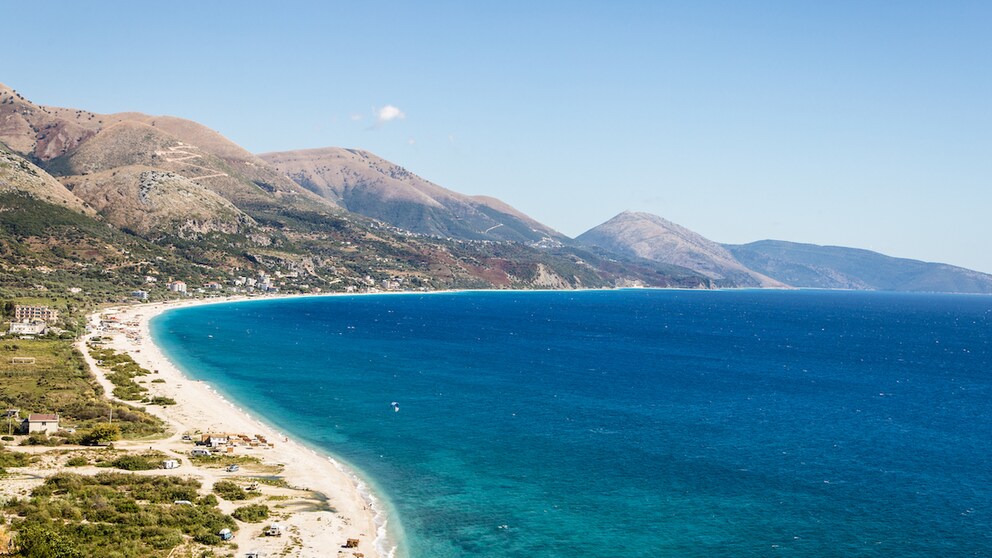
(357, 511)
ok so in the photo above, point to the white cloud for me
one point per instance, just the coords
(389, 113)
(356, 117)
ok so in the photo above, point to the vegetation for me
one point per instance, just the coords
(253, 513)
(138, 462)
(102, 433)
(114, 514)
(230, 491)
(60, 382)
(12, 459)
(123, 371)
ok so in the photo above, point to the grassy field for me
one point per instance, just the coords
(59, 382)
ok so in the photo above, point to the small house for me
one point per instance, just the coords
(170, 464)
(48, 424)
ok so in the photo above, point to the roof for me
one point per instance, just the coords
(42, 417)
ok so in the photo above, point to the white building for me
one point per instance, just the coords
(48, 424)
(28, 328)
(177, 287)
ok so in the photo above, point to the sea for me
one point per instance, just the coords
(634, 423)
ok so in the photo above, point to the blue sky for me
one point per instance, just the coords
(865, 124)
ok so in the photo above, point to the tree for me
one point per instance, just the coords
(102, 433)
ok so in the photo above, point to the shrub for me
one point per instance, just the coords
(113, 514)
(41, 541)
(230, 491)
(131, 462)
(101, 434)
(209, 500)
(253, 513)
(77, 461)
(14, 458)
(162, 401)
(40, 439)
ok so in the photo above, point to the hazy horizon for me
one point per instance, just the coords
(850, 124)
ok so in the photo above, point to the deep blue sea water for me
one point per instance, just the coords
(632, 423)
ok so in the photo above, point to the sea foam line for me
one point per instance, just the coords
(380, 519)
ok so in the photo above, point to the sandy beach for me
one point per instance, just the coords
(328, 505)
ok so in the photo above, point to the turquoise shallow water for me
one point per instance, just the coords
(632, 423)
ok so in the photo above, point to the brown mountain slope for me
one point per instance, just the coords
(41, 132)
(20, 175)
(131, 142)
(652, 237)
(55, 137)
(240, 162)
(144, 200)
(367, 184)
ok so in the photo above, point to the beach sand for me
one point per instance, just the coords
(349, 510)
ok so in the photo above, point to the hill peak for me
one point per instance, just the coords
(653, 237)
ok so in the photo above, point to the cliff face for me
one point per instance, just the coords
(654, 238)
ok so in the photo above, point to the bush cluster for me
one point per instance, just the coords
(253, 513)
(74, 516)
(230, 491)
(123, 371)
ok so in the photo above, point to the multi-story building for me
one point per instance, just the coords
(31, 313)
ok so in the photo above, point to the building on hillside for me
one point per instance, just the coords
(177, 287)
(46, 423)
(213, 286)
(28, 328)
(32, 313)
(140, 295)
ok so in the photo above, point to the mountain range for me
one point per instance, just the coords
(117, 201)
(111, 201)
